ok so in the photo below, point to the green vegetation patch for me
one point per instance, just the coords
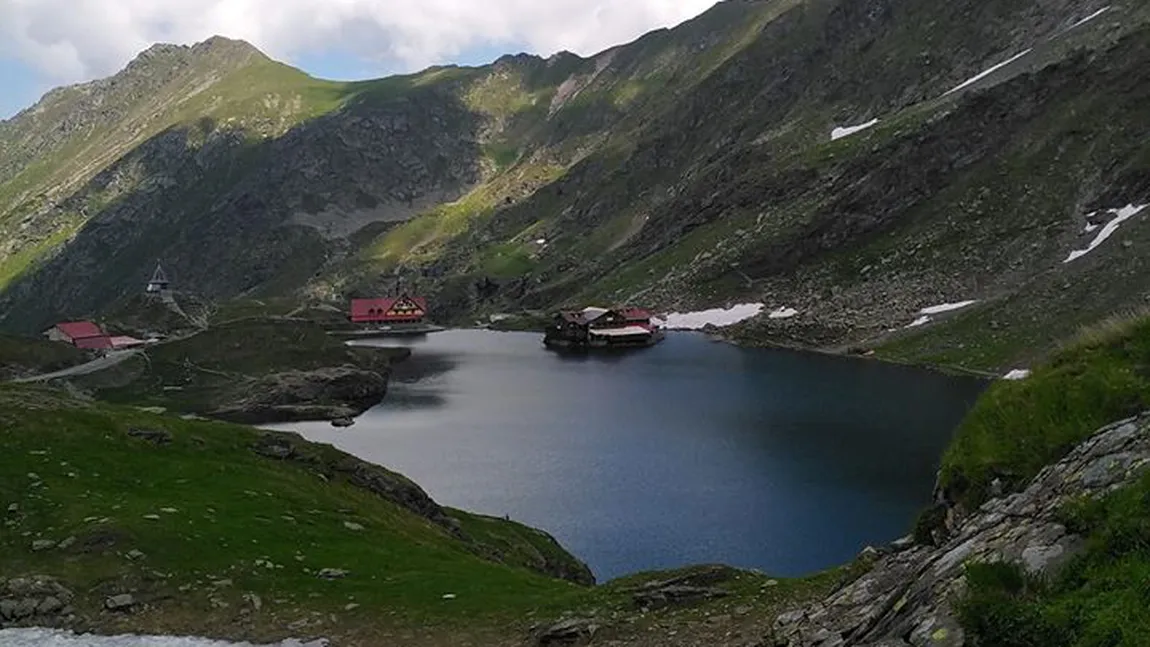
(221, 366)
(1018, 427)
(1100, 598)
(25, 356)
(213, 521)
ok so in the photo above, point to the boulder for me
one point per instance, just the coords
(121, 602)
(576, 631)
(154, 436)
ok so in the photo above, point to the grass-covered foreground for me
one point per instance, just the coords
(216, 523)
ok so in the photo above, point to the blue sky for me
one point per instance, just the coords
(49, 43)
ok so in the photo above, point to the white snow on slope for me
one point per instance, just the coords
(57, 638)
(783, 313)
(844, 131)
(716, 317)
(946, 307)
(1017, 374)
(982, 75)
(1090, 17)
(926, 313)
(1120, 216)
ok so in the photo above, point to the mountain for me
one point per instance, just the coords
(694, 167)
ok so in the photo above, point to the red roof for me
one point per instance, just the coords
(80, 329)
(98, 342)
(123, 341)
(388, 309)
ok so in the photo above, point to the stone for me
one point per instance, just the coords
(154, 436)
(351, 525)
(449, 596)
(135, 554)
(67, 543)
(574, 631)
(332, 574)
(343, 422)
(152, 517)
(26, 608)
(121, 602)
(49, 605)
(40, 545)
(7, 609)
(352, 606)
(13, 508)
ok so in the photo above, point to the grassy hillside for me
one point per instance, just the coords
(1018, 427)
(255, 369)
(217, 523)
(25, 356)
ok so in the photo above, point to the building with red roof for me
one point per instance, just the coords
(389, 310)
(81, 334)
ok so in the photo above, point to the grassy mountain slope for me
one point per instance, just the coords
(689, 168)
(188, 518)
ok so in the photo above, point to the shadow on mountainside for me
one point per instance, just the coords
(227, 216)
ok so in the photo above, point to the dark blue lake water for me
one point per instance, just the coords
(689, 452)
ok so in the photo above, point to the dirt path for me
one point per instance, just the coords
(111, 359)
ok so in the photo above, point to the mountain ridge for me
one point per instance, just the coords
(690, 167)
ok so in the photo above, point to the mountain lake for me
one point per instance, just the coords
(693, 451)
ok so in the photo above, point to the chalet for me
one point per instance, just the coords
(389, 310)
(81, 334)
(595, 327)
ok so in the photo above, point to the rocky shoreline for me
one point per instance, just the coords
(908, 597)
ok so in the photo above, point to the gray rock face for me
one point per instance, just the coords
(909, 594)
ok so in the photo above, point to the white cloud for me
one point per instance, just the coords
(70, 40)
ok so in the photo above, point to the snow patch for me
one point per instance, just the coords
(921, 321)
(982, 75)
(57, 638)
(783, 313)
(946, 307)
(1090, 17)
(715, 317)
(1017, 374)
(1120, 216)
(540, 241)
(845, 131)
(1090, 228)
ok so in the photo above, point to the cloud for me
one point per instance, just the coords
(74, 40)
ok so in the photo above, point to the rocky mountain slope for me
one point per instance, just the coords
(690, 168)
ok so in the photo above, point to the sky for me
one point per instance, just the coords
(48, 43)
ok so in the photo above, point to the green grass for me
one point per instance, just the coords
(206, 371)
(29, 355)
(74, 472)
(1100, 598)
(1016, 428)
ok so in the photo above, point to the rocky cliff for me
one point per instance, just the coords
(692, 167)
(912, 594)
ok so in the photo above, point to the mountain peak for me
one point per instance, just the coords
(220, 49)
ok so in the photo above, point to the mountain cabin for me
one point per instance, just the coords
(403, 309)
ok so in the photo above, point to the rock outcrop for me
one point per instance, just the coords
(34, 600)
(329, 393)
(908, 597)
